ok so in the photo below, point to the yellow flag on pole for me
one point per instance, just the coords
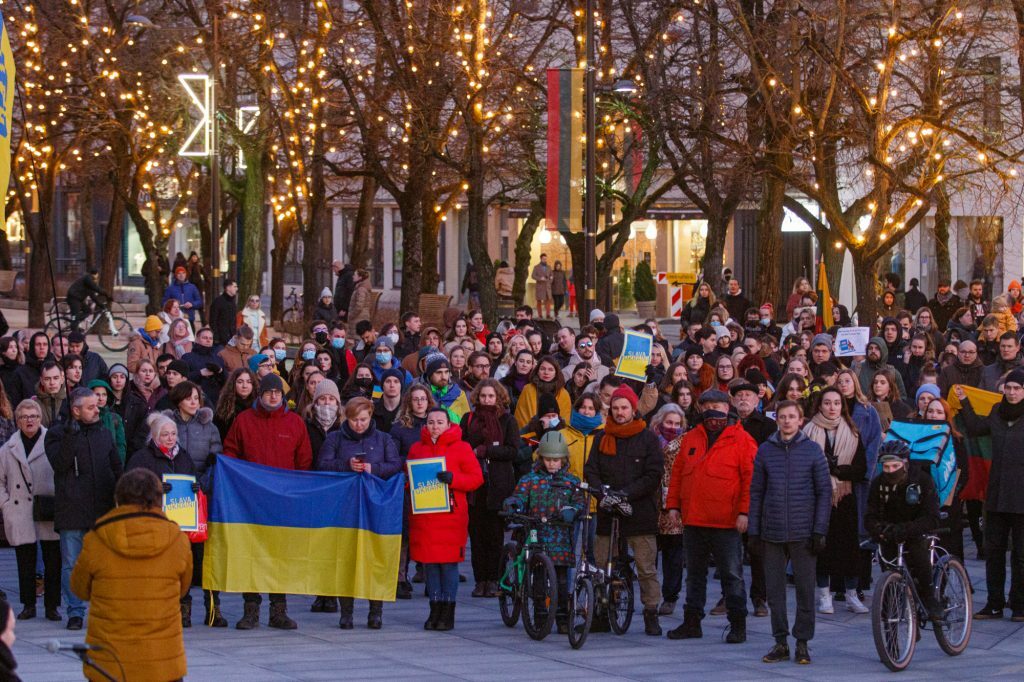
(6, 113)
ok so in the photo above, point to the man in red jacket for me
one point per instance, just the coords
(710, 491)
(272, 435)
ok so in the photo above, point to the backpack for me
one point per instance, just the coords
(931, 450)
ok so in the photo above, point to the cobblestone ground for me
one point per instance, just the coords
(481, 648)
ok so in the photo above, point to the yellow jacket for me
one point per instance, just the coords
(526, 406)
(579, 451)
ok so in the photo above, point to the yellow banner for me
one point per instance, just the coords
(6, 113)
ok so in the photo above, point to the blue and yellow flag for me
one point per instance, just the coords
(6, 113)
(299, 532)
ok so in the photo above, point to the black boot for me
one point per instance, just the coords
(446, 621)
(214, 618)
(435, 614)
(250, 616)
(279, 617)
(651, 626)
(330, 604)
(737, 630)
(318, 605)
(186, 614)
(345, 621)
(375, 620)
(690, 629)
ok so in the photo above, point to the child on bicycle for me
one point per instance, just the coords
(547, 491)
(904, 507)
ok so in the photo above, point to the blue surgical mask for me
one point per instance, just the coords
(280, 354)
(308, 355)
(383, 358)
(766, 321)
(715, 323)
(337, 343)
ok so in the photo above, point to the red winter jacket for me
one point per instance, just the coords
(441, 538)
(712, 487)
(278, 439)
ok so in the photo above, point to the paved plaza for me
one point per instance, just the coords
(482, 648)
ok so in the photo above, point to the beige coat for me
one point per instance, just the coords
(21, 477)
(359, 306)
(504, 279)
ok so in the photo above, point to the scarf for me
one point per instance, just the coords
(844, 447)
(583, 424)
(613, 431)
(145, 390)
(147, 338)
(169, 453)
(326, 416)
(1010, 412)
(490, 422)
(549, 387)
(352, 435)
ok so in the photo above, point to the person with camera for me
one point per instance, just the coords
(903, 507)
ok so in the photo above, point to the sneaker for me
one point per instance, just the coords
(779, 652)
(854, 604)
(825, 601)
(803, 657)
(760, 608)
(719, 609)
(666, 608)
(989, 613)
(74, 623)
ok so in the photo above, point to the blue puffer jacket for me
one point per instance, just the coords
(790, 491)
(375, 447)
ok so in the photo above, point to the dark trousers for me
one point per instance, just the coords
(673, 556)
(917, 557)
(975, 512)
(559, 300)
(486, 536)
(805, 566)
(999, 529)
(954, 542)
(758, 591)
(727, 547)
(210, 597)
(26, 558)
(249, 597)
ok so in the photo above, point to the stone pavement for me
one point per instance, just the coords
(481, 648)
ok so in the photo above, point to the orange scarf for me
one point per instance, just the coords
(613, 431)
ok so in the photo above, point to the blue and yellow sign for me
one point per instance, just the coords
(6, 111)
(428, 495)
(181, 505)
(636, 356)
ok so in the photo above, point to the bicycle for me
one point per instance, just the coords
(293, 314)
(898, 610)
(528, 585)
(610, 588)
(114, 331)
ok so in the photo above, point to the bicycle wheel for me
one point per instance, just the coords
(292, 315)
(52, 327)
(620, 601)
(508, 586)
(540, 596)
(115, 338)
(894, 622)
(953, 592)
(581, 610)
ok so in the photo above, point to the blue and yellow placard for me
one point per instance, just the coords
(428, 495)
(181, 505)
(6, 110)
(636, 355)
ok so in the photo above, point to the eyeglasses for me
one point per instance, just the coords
(585, 344)
(484, 365)
(418, 399)
(29, 417)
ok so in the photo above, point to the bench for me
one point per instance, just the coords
(432, 308)
(7, 280)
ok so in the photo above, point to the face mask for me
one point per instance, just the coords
(669, 432)
(715, 420)
(766, 321)
(715, 323)
(321, 337)
(553, 422)
(280, 354)
(338, 343)
(383, 358)
(326, 414)
(896, 477)
(393, 336)
(308, 355)
(364, 382)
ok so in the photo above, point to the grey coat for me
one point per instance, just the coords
(21, 477)
(199, 437)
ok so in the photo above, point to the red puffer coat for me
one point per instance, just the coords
(441, 538)
(711, 486)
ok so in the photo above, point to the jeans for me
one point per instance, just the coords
(70, 548)
(727, 547)
(999, 527)
(442, 581)
(673, 555)
(776, 554)
(26, 557)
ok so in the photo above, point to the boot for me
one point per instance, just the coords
(279, 617)
(375, 619)
(250, 616)
(690, 629)
(446, 620)
(345, 621)
(29, 612)
(318, 605)
(214, 618)
(737, 630)
(435, 614)
(330, 604)
(404, 590)
(186, 614)
(651, 625)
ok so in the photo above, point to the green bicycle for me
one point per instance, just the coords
(528, 585)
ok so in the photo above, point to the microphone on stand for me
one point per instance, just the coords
(55, 645)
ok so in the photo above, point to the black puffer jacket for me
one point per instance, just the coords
(498, 460)
(85, 470)
(636, 469)
(150, 457)
(132, 410)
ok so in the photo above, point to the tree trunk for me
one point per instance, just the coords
(88, 225)
(312, 252)
(283, 234)
(113, 238)
(867, 301)
(5, 251)
(714, 251)
(476, 236)
(768, 282)
(411, 210)
(254, 228)
(430, 244)
(523, 242)
(943, 218)
(40, 228)
(833, 269)
(154, 283)
(360, 255)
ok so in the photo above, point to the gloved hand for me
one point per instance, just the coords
(817, 544)
(195, 487)
(445, 477)
(167, 487)
(568, 514)
(655, 374)
(609, 501)
(625, 508)
(512, 504)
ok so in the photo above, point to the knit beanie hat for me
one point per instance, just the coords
(272, 382)
(384, 340)
(326, 292)
(393, 372)
(325, 387)
(254, 361)
(118, 368)
(1016, 376)
(435, 362)
(822, 340)
(720, 332)
(624, 392)
(930, 389)
(546, 404)
(153, 324)
(596, 314)
(179, 366)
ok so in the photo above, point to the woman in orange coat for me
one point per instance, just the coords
(438, 541)
(134, 568)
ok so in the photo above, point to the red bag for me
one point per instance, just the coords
(199, 535)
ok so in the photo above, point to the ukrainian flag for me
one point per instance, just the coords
(299, 532)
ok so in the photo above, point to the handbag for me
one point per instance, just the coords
(196, 536)
(44, 507)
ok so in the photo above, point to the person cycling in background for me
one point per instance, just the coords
(903, 507)
(83, 288)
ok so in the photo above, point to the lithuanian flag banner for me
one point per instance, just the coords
(301, 532)
(979, 448)
(564, 209)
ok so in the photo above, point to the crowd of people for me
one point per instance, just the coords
(747, 442)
